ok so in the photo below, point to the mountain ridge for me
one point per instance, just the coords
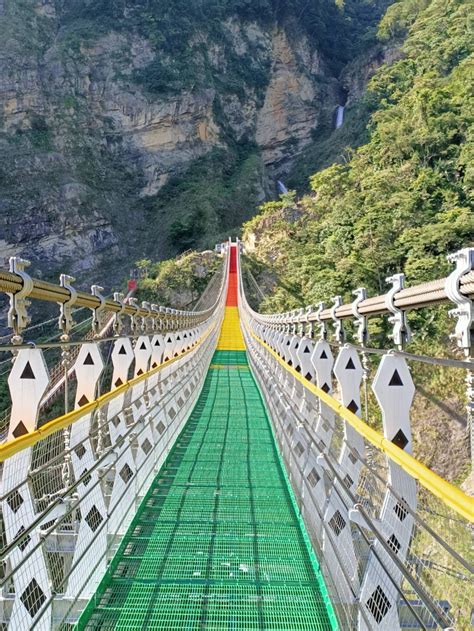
(132, 130)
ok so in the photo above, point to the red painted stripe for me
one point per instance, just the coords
(232, 289)
(233, 259)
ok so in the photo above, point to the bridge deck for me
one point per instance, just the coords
(217, 542)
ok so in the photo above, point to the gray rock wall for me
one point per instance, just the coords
(84, 145)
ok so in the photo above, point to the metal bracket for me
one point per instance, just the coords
(96, 291)
(321, 461)
(276, 323)
(356, 518)
(146, 320)
(401, 330)
(323, 329)
(464, 312)
(65, 318)
(310, 325)
(170, 320)
(301, 321)
(155, 321)
(118, 317)
(361, 320)
(179, 319)
(339, 334)
(294, 320)
(163, 321)
(135, 320)
(18, 318)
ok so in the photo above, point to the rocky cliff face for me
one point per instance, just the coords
(293, 102)
(98, 136)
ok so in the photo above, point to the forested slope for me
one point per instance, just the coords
(399, 204)
(404, 199)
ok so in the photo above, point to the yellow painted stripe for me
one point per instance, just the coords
(449, 494)
(227, 366)
(231, 338)
(12, 447)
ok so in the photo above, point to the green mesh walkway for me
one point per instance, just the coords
(216, 544)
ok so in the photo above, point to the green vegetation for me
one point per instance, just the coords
(177, 282)
(404, 199)
(399, 203)
(331, 145)
(181, 32)
(205, 204)
(194, 48)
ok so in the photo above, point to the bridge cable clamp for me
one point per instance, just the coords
(18, 318)
(182, 319)
(283, 324)
(295, 316)
(66, 321)
(175, 313)
(401, 330)
(309, 323)
(65, 324)
(463, 333)
(294, 321)
(117, 324)
(162, 311)
(171, 322)
(177, 321)
(155, 321)
(464, 312)
(96, 291)
(136, 320)
(321, 462)
(361, 320)
(146, 320)
(323, 330)
(301, 321)
(356, 518)
(339, 334)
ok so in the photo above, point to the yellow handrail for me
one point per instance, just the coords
(449, 494)
(16, 445)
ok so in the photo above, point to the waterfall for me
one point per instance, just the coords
(282, 187)
(339, 116)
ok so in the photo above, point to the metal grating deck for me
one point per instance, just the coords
(216, 543)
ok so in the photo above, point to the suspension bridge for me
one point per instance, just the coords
(227, 469)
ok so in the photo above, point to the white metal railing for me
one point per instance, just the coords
(394, 540)
(69, 490)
